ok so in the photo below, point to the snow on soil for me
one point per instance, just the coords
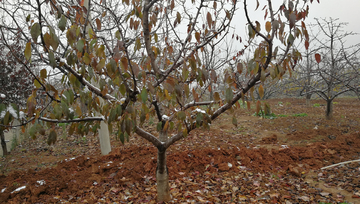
(70, 159)
(19, 189)
(41, 182)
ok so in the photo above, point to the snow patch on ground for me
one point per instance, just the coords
(70, 159)
(3, 190)
(41, 182)
(19, 189)
(284, 146)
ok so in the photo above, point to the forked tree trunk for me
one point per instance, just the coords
(3, 143)
(329, 110)
(162, 174)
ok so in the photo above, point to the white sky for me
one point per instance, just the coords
(348, 11)
(345, 10)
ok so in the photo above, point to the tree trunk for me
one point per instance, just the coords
(3, 143)
(308, 103)
(162, 175)
(162, 178)
(211, 91)
(308, 97)
(329, 110)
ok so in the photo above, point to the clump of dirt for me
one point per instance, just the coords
(269, 140)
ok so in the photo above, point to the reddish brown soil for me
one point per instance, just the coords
(259, 160)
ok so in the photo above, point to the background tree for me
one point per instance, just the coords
(16, 86)
(143, 59)
(304, 75)
(336, 70)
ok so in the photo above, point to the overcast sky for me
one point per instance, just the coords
(346, 10)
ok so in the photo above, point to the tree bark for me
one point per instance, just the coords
(329, 110)
(308, 98)
(162, 175)
(3, 143)
(162, 178)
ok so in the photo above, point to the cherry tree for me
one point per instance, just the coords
(336, 71)
(128, 61)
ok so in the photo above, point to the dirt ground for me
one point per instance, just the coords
(258, 161)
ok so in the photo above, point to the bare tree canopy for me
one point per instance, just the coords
(332, 66)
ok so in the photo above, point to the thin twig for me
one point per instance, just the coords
(346, 162)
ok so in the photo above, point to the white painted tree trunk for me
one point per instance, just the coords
(104, 138)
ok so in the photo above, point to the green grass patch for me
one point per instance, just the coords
(316, 105)
(267, 116)
(300, 115)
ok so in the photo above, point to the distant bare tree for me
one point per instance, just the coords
(336, 71)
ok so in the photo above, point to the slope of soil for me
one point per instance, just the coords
(259, 160)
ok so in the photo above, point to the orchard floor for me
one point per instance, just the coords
(258, 161)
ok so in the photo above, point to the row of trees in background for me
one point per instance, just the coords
(329, 67)
(129, 61)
